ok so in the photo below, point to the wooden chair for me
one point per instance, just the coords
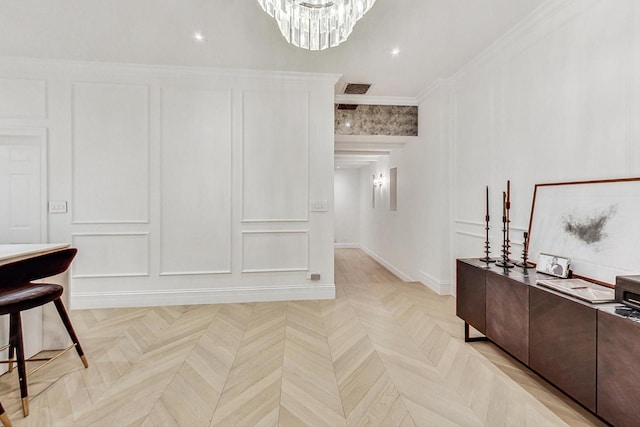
(4, 418)
(19, 293)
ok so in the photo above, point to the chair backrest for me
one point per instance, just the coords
(24, 271)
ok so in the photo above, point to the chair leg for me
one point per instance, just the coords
(4, 418)
(22, 369)
(12, 344)
(72, 334)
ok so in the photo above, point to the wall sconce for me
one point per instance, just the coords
(377, 182)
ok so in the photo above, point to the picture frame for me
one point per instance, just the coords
(553, 265)
(594, 223)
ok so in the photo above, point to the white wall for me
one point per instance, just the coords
(556, 99)
(413, 241)
(184, 185)
(347, 207)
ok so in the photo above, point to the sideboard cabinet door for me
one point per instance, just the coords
(562, 343)
(470, 295)
(618, 370)
(508, 315)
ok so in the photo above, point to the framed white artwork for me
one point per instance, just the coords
(594, 223)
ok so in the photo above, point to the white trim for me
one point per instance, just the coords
(432, 88)
(400, 275)
(466, 233)
(441, 287)
(253, 221)
(551, 14)
(464, 221)
(194, 273)
(376, 100)
(182, 70)
(152, 298)
(384, 141)
(346, 245)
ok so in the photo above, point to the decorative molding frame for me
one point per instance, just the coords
(103, 234)
(243, 269)
(73, 143)
(161, 141)
(243, 218)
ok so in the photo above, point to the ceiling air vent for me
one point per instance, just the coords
(356, 88)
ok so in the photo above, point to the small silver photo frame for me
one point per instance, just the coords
(554, 265)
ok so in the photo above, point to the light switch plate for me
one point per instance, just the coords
(57, 206)
(319, 206)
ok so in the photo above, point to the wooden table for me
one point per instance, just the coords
(43, 329)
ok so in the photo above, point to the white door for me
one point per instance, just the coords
(21, 189)
(22, 212)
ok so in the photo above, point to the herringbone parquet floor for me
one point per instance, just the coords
(384, 353)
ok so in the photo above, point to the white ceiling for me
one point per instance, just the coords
(436, 37)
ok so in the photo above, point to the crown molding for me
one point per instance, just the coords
(66, 65)
(551, 14)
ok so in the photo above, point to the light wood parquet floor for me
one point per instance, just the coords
(383, 353)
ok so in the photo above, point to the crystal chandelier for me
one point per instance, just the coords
(316, 24)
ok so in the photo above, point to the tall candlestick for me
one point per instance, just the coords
(504, 205)
(487, 256)
(487, 200)
(504, 262)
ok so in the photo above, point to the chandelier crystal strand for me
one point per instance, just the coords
(316, 24)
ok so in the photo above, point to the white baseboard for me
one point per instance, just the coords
(440, 287)
(399, 274)
(346, 245)
(85, 300)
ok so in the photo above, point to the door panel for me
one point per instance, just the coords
(20, 192)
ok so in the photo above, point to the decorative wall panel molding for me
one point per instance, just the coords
(23, 99)
(110, 153)
(275, 156)
(275, 251)
(196, 181)
(110, 255)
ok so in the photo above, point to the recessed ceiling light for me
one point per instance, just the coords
(199, 37)
(395, 51)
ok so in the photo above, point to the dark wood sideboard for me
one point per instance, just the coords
(586, 350)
